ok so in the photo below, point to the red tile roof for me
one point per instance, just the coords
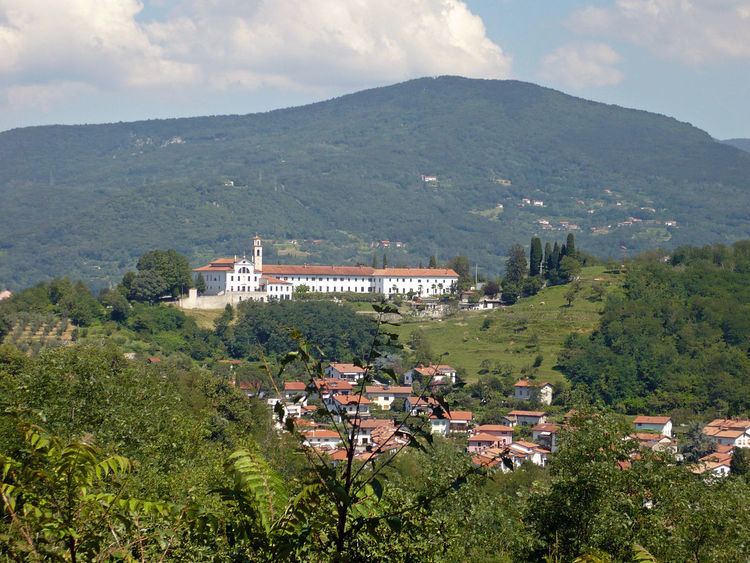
(386, 389)
(315, 270)
(351, 399)
(434, 369)
(651, 419)
(493, 428)
(321, 433)
(483, 438)
(347, 368)
(455, 415)
(416, 272)
(527, 413)
(527, 383)
(294, 386)
(546, 427)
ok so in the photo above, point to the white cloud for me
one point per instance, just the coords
(691, 31)
(582, 65)
(316, 46)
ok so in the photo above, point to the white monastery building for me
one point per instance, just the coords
(231, 280)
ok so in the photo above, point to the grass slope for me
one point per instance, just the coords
(535, 325)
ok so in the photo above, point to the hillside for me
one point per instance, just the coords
(335, 176)
(510, 338)
(742, 144)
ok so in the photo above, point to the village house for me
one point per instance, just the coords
(322, 438)
(728, 432)
(535, 391)
(442, 373)
(655, 442)
(503, 434)
(419, 405)
(455, 421)
(348, 372)
(384, 395)
(514, 454)
(350, 405)
(293, 389)
(525, 418)
(714, 465)
(325, 388)
(545, 435)
(480, 442)
(654, 424)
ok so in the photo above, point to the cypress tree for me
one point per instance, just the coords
(385, 261)
(555, 262)
(535, 257)
(433, 262)
(374, 260)
(571, 245)
(547, 259)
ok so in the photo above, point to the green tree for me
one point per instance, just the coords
(460, 264)
(547, 261)
(535, 257)
(491, 288)
(117, 305)
(148, 286)
(374, 260)
(570, 244)
(433, 262)
(200, 283)
(171, 266)
(740, 464)
(570, 268)
(385, 261)
(516, 265)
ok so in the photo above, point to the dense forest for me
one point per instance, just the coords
(334, 177)
(677, 337)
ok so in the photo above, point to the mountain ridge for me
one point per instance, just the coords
(88, 199)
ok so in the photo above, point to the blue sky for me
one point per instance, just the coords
(87, 61)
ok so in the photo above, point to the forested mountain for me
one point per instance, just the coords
(337, 175)
(742, 144)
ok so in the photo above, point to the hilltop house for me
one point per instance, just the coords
(322, 438)
(525, 418)
(728, 432)
(545, 435)
(384, 395)
(536, 391)
(455, 421)
(232, 280)
(654, 424)
(438, 374)
(349, 372)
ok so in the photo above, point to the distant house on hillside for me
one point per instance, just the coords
(348, 372)
(442, 373)
(538, 391)
(654, 424)
(525, 418)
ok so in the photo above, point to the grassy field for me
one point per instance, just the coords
(204, 317)
(517, 334)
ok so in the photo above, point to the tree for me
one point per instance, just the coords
(547, 262)
(516, 265)
(385, 261)
(200, 283)
(570, 244)
(570, 268)
(740, 464)
(460, 264)
(572, 292)
(535, 257)
(433, 262)
(491, 288)
(172, 266)
(510, 293)
(116, 304)
(374, 260)
(148, 286)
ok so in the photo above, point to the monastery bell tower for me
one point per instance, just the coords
(258, 253)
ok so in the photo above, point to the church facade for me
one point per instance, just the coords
(231, 280)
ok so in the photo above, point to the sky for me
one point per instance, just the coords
(93, 61)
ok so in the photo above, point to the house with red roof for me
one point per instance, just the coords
(525, 418)
(535, 391)
(435, 374)
(454, 421)
(654, 424)
(419, 405)
(294, 389)
(545, 434)
(728, 432)
(322, 438)
(351, 405)
(384, 395)
(347, 372)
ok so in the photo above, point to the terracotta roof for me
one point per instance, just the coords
(527, 413)
(386, 389)
(321, 433)
(415, 401)
(527, 383)
(729, 423)
(455, 415)
(546, 427)
(338, 455)
(493, 428)
(416, 272)
(375, 423)
(351, 399)
(651, 419)
(483, 438)
(294, 386)
(347, 368)
(717, 433)
(153, 360)
(434, 369)
(333, 384)
(314, 270)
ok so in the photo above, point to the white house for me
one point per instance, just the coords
(654, 424)
(728, 432)
(545, 435)
(384, 395)
(322, 438)
(525, 418)
(352, 405)
(293, 389)
(442, 373)
(537, 391)
(503, 434)
(455, 421)
(416, 405)
(349, 372)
